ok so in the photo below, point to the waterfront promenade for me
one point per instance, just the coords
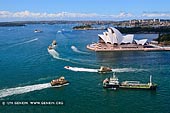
(127, 47)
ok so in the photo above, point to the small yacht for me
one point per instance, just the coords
(37, 31)
(112, 82)
(54, 42)
(59, 82)
(104, 69)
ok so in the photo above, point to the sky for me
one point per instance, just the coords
(114, 10)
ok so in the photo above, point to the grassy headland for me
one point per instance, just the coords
(163, 39)
(82, 27)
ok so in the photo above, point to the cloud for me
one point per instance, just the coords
(123, 15)
(4, 14)
(27, 15)
(61, 15)
(156, 15)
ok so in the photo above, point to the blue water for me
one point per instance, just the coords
(26, 68)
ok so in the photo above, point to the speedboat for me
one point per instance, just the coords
(59, 82)
(104, 69)
(66, 67)
(111, 83)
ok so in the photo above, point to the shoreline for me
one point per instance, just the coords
(110, 48)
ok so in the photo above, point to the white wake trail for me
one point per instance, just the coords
(55, 55)
(126, 70)
(29, 41)
(81, 69)
(35, 39)
(24, 89)
(96, 70)
(78, 51)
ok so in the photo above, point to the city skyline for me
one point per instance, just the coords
(83, 10)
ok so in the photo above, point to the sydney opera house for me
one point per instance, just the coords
(113, 40)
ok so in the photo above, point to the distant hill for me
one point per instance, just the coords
(134, 30)
(9, 24)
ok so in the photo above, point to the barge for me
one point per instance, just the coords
(113, 83)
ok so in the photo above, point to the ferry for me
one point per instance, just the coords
(59, 82)
(104, 69)
(112, 82)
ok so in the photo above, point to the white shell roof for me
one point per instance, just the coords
(114, 36)
(118, 36)
(128, 38)
(142, 42)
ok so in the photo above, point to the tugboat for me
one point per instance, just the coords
(104, 69)
(111, 83)
(59, 82)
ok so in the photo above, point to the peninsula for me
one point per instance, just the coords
(83, 27)
(163, 40)
(87, 27)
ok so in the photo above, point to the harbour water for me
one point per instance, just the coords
(27, 67)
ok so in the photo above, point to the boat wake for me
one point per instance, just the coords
(127, 70)
(24, 89)
(21, 43)
(55, 54)
(78, 51)
(96, 70)
(35, 39)
(81, 69)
